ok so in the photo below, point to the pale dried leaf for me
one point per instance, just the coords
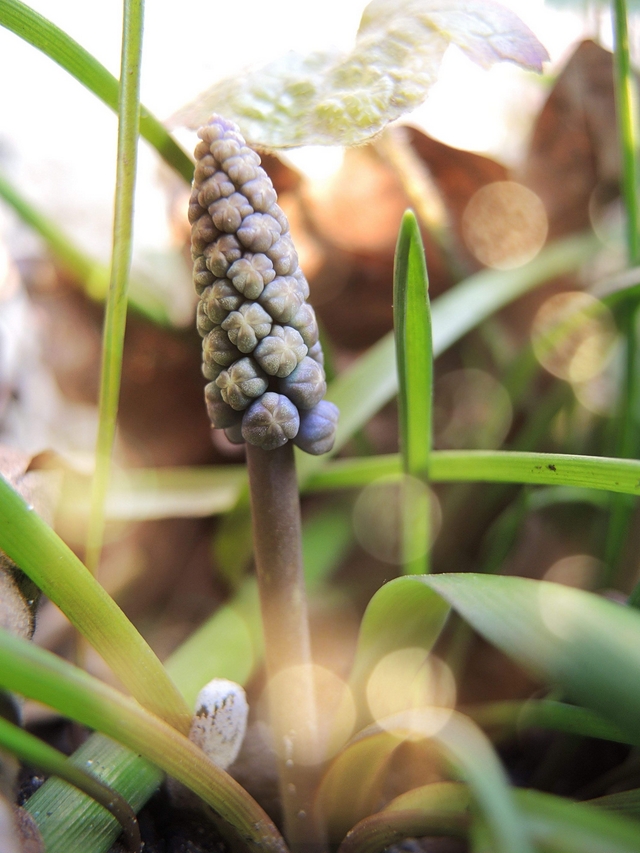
(329, 98)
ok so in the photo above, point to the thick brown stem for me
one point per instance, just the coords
(278, 555)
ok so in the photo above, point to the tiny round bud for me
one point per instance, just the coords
(220, 413)
(241, 170)
(318, 426)
(259, 232)
(304, 320)
(305, 386)
(221, 254)
(216, 187)
(203, 232)
(220, 720)
(282, 298)
(228, 213)
(250, 274)
(224, 148)
(260, 193)
(270, 422)
(202, 277)
(203, 323)
(219, 299)
(316, 353)
(204, 169)
(281, 351)
(242, 383)
(278, 214)
(246, 326)
(217, 347)
(284, 256)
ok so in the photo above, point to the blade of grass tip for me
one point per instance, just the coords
(40, 675)
(58, 46)
(414, 358)
(40, 553)
(92, 275)
(116, 308)
(29, 749)
(627, 432)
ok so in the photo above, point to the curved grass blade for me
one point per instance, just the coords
(116, 308)
(464, 746)
(557, 825)
(57, 45)
(38, 674)
(509, 717)
(414, 358)
(491, 466)
(368, 384)
(399, 615)
(55, 569)
(577, 641)
(93, 275)
(28, 748)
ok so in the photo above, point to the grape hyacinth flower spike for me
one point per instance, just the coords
(260, 336)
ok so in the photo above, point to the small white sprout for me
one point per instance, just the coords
(220, 721)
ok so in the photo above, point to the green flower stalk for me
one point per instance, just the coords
(260, 348)
(264, 363)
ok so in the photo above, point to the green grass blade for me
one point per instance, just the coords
(57, 45)
(414, 358)
(71, 822)
(556, 825)
(116, 309)
(56, 570)
(92, 275)
(574, 640)
(510, 717)
(491, 466)
(38, 754)
(40, 675)
(368, 384)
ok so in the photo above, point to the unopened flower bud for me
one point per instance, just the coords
(271, 421)
(260, 346)
(317, 431)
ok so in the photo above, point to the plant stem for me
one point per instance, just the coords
(116, 310)
(627, 433)
(283, 603)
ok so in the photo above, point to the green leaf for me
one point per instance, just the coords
(371, 381)
(414, 357)
(56, 44)
(331, 98)
(401, 614)
(40, 675)
(555, 824)
(55, 569)
(464, 746)
(38, 754)
(578, 641)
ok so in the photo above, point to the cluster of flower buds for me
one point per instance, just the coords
(261, 352)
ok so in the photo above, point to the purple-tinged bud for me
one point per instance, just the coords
(242, 383)
(224, 148)
(202, 277)
(240, 170)
(284, 256)
(219, 299)
(216, 187)
(221, 254)
(260, 193)
(210, 132)
(246, 326)
(316, 353)
(259, 232)
(317, 432)
(203, 323)
(234, 434)
(270, 422)
(228, 213)
(211, 370)
(220, 414)
(278, 214)
(203, 232)
(250, 274)
(280, 352)
(217, 347)
(282, 298)
(304, 320)
(204, 169)
(305, 386)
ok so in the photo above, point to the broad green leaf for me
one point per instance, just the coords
(38, 754)
(400, 615)
(55, 569)
(40, 675)
(331, 98)
(463, 746)
(414, 357)
(575, 640)
(555, 824)
(56, 44)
